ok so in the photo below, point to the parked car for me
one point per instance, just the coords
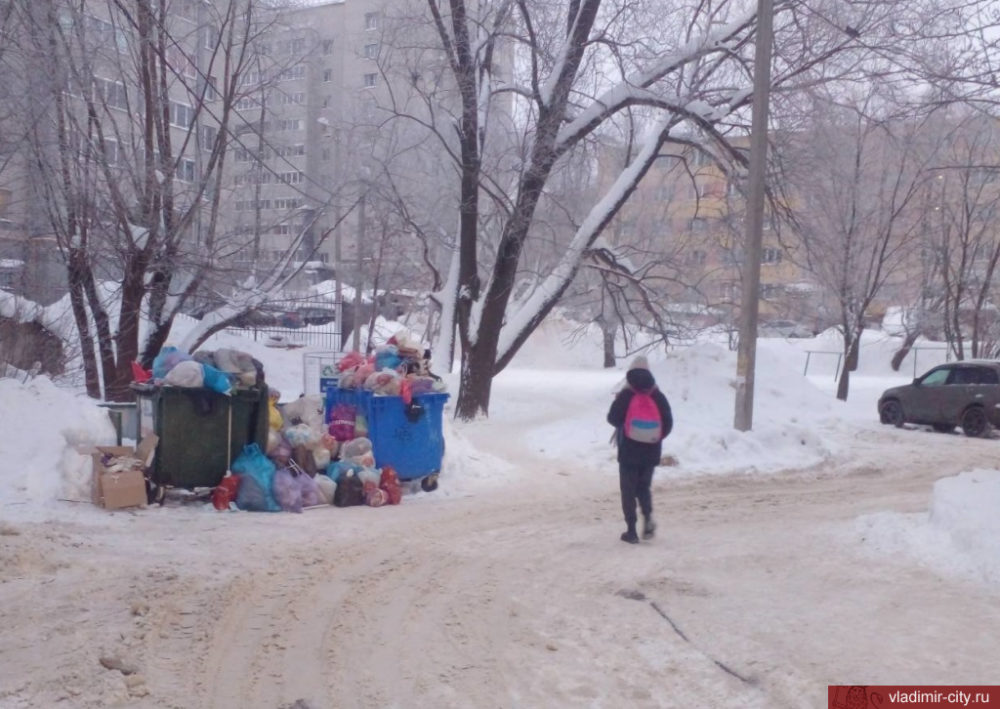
(965, 394)
(783, 328)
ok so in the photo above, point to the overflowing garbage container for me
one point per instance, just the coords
(407, 436)
(195, 427)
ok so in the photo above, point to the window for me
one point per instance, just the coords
(730, 291)
(282, 229)
(207, 134)
(699, 225)
(326, 153)
(297, 45)
(209, 85)
(181, 115)
(770, 290)
(701, 159)
(111, 93)
(284, 99)
(936, 377)
(106, 33)
(770, 255)
(253, 178)
(249, 204)
(370, 80)
(371, 20)
(696, 257)
(327, 47)
(371, 51)
(973, 375)
(985, 375)
(186, 170)
(327, 75)
(289, 124)
(287, 203)
(111, 151)
(181, 63)
(250, 78)
(210, 37)
(291, 178)
(246, 103)
(293, 74)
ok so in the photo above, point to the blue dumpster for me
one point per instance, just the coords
(409, 438)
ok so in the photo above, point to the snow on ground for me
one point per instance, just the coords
(537, 478)
(958, 535)
(797, 421)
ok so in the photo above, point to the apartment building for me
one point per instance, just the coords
(687, 216)
(79, 142)
(302, 135)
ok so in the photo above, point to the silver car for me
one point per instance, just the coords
(965, 394)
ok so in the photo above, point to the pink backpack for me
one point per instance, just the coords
(642, 419)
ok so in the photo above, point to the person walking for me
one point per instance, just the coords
(642, 418)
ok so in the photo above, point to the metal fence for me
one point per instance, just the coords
(329, 339)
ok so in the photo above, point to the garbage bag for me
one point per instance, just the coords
(257, 474)
(287, 490)
(186, 373)
(216, 379)
(350, 491)
(311, 494)
(167, 359)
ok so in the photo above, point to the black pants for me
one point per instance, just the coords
(635, 481)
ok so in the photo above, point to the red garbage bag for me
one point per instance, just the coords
(389, 482)
(225, 492)
(139, 374)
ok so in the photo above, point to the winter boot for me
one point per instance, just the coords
(630, 536)
(648, 527)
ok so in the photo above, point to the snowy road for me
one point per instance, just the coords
(756, 592)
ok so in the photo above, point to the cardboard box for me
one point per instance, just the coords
(122, 482)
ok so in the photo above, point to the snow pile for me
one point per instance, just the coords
(43, 430)
(959, 535)
(790, 414)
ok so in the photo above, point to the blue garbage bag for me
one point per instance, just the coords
(257, 471)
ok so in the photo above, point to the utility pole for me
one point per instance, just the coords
(747, 353)
(359, 274)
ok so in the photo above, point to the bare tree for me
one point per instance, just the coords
(129, 136)
(964, 195)
(856, 177)
(571, 69)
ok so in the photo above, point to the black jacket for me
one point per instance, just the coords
(633, 452)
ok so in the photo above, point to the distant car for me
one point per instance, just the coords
(965, 394)
(783, 328)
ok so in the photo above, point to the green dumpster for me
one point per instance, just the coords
(194, 425)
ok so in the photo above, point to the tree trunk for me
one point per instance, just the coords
(851, 346)
(79, 307)
(126, 339)
(904, 349)
(851, 357)
(608, 333)
(154, 343)
(475, 384)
